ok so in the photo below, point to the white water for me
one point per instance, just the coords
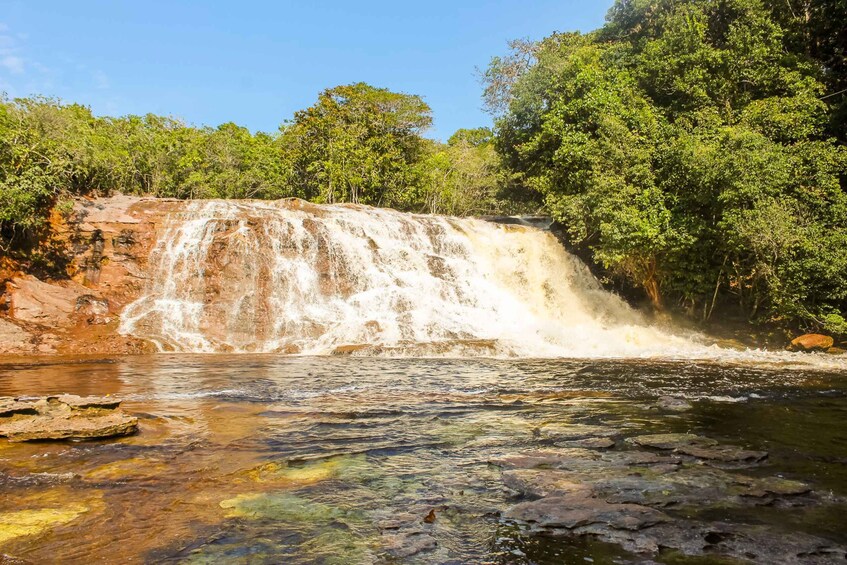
(234, 276)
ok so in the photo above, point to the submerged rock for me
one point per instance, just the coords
(65, 417)
(672, 441)
(573, 511)
(699, 447)
(543, 483)
(33, 522)
(592, 443)
(725, 454)
(717, 542)
(401, 545)
(811, 342)
(673, 404)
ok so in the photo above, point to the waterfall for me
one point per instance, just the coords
(292, 277)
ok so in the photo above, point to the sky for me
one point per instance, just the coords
(257, 62)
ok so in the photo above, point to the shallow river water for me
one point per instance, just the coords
(269, 459)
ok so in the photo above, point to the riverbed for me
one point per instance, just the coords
(274, 459)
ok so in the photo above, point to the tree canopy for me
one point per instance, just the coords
(687, 147)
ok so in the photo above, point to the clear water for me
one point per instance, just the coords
(273, 459)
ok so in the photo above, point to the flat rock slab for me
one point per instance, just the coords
(672, 441)
(592, 443)
(401, 545)
(722, 542)
(574, 511)
(65, 417)
(543, 483)
(725, 454)
(84, 402)
(546, 459)
(571, 431)
(10, 406)
(700, 447)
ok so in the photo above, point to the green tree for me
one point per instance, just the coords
(359, 144)
(686, 148)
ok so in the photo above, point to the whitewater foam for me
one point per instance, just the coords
(291, 277)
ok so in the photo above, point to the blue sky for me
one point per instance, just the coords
(255, 63)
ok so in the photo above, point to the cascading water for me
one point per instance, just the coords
(292, 277)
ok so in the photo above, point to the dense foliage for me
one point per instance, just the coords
(690, 148)
(356, 144)
(694, 149)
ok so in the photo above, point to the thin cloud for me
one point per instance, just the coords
(101, 81)
(13, 64)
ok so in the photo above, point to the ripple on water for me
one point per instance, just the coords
(304, 460)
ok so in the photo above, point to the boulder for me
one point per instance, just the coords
(65, 417)
(811, 342)
(673, 404)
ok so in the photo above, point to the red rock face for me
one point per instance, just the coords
(149, 274)
(108, 241)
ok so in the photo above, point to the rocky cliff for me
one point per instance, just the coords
(107, 242)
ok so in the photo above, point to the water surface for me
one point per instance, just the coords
(269, 459)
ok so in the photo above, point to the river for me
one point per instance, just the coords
(281, 459)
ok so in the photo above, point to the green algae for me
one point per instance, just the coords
(347, 468)
(282, 507)
(34, 522)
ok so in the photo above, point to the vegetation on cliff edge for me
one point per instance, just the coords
(692, 149)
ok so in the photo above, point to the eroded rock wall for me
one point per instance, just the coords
(107, 242)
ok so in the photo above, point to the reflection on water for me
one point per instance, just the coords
(265, 459)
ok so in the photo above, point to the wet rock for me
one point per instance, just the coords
(547, 459)
(65, 417)
(95, 310)
(731, 344)
(127, 469)
(285, 474)
(6, 559)
(36, 479)
(10, 406)
(811, 342)
(282, 507)
(721, 542)
(573, 511)
(592, 443)
(672, 441)
(543, 483)
(406, 544)
(673, 404)
(640, 459)
(37, 521)
(569, 431)
(725, 454)
(760, 488)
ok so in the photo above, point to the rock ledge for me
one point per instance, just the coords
(65, 417)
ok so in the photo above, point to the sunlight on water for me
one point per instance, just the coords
(279, 459)
(295, 278)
